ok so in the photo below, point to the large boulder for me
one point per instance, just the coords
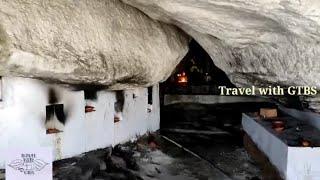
(100, 42)
(256, 42)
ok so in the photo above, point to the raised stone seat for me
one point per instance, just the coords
(283, 149)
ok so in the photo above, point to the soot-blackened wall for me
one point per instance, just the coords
(23, 118)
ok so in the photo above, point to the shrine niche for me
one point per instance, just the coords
(196, 74)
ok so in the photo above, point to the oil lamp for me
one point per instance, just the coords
(53, 131)
(278, 125)
(89, 109)
(182, 78)
(305, 143)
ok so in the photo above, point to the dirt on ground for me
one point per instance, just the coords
(150, 157)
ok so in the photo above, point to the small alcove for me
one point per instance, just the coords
(150, 95)
(55, 118)
(118, 106)
(150, 98)
(55, 115)
(1, 98)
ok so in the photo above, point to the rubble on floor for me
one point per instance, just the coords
(2, 175)
(108, 163)
(150, 157)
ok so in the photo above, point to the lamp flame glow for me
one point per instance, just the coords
(182, 78)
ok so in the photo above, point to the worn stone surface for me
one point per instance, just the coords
(98, 164)
(166, 162)
(87, 42)
(261, 42)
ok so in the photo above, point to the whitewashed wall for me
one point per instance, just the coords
(99, 131)
(23, 111)
(136, 119)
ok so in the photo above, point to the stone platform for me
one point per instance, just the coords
(283, 149)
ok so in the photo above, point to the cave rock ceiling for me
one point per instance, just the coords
(95, 42)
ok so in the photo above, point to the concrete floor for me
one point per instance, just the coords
(169, 162)
(223, 153)
(223, 149)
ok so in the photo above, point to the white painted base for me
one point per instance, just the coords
(293, 163)
(23, 112)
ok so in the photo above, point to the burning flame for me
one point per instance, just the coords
(182, 78)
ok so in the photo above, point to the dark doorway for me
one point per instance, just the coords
(196, 74)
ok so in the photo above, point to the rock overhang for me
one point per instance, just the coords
(270, 40)
(104, 43)
(256, 43)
